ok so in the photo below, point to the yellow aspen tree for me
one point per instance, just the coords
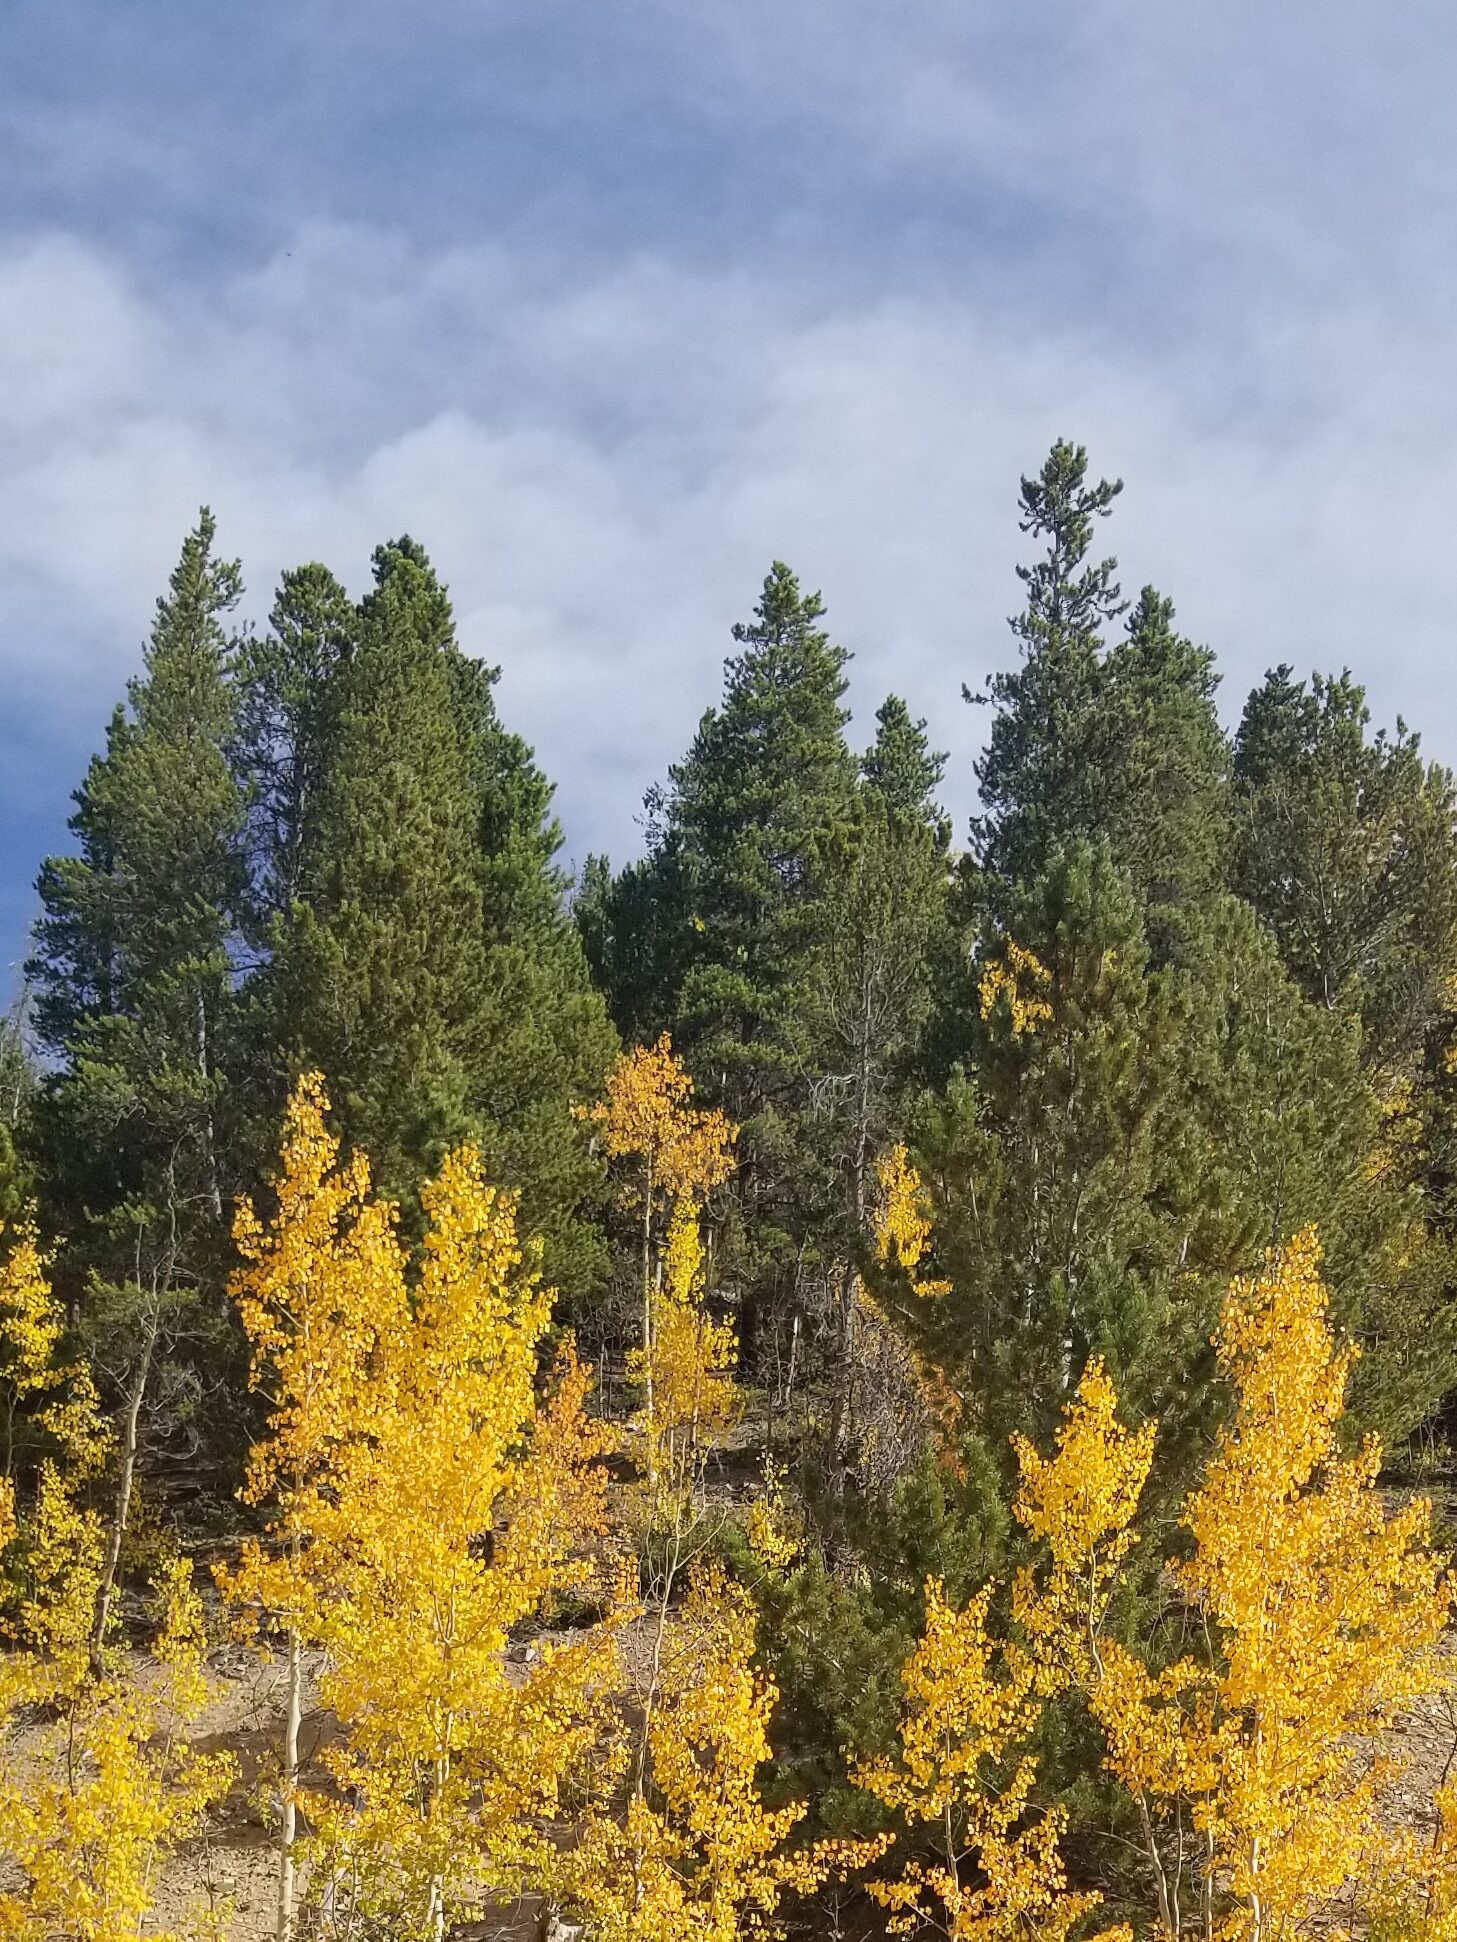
(692, 1854)
(31, 1328)
(675, 1151)
(470, 1504)
(962, 1769)
(1314, 1616)
(111, 1788)
(1078, 1505)
(56, 1541)
(322, 1286)
(1411, 1893)
(693, 1359)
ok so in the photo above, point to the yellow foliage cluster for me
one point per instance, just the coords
(1023, 979)
(105, 1784)
(649, 1116)
(972, 1699)
(425, 1501)
(685, 1360)
(690, 1359)
(695, 1856)
(1317, 1616)
(903, 1219)
(1079, 1505)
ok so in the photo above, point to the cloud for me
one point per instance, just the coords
(610, 313)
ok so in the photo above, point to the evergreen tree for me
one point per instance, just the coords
(636, 930)
(548, 1036)
(424, 960)
(380, 969)
(19, 1084)
(134, 974)
(132, 969)
(1162, 768)
(885, 932)
(288, 687)
(903, 769)
(1113, 741)
(1346, 849)
(748, 823)
(1037, 777)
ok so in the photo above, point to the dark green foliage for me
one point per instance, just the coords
(423, 958)
(1038, 777)
(1116, 742)
(1345, 847)
(547, 1039)
(1162, 769)
(903, 771)
(134, 974)
(746, 833)
(380, 966)
(288, 682)
(133, 971)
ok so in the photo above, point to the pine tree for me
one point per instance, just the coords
(885, 935)
(134, 979)
(380, 970)
(1163, 768)
(1110, 740)
(1037, 777)
(288, 689)
(419, 950)
(903, 769)
(549, 1039)
(133, 966)
(1347, 848)
(748, 819)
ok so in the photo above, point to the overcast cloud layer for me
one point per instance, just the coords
(612, 304)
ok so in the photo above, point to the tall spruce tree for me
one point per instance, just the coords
(1161, 769)
(1347, 848)
(420, 950)
(748, 822)
(1037, 777)
(288, 682)
(885, 897)
(132, 970)
(548, 1037)
(380, 968)
(134, 973)
(1112, 739)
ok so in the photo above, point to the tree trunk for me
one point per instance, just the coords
(647, 1321)
(288, 1825)
(121, 1507)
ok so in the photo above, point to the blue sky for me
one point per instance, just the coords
(611, 304)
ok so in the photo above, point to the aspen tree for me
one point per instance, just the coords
(678, 1153)
(694, 1855)
(470, 1507)
(113, 1787)
(1313, 1619)
(973, 1696)
(107, 1786)
(322, 1284)
(423, 1502)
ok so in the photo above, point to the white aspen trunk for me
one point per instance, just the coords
(647, 1322)
(288, 1827)
(121, 1507)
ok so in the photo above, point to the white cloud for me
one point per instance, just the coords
(603, 468)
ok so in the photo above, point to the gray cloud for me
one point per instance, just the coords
(869, 265)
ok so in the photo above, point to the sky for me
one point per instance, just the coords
(611, 303)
